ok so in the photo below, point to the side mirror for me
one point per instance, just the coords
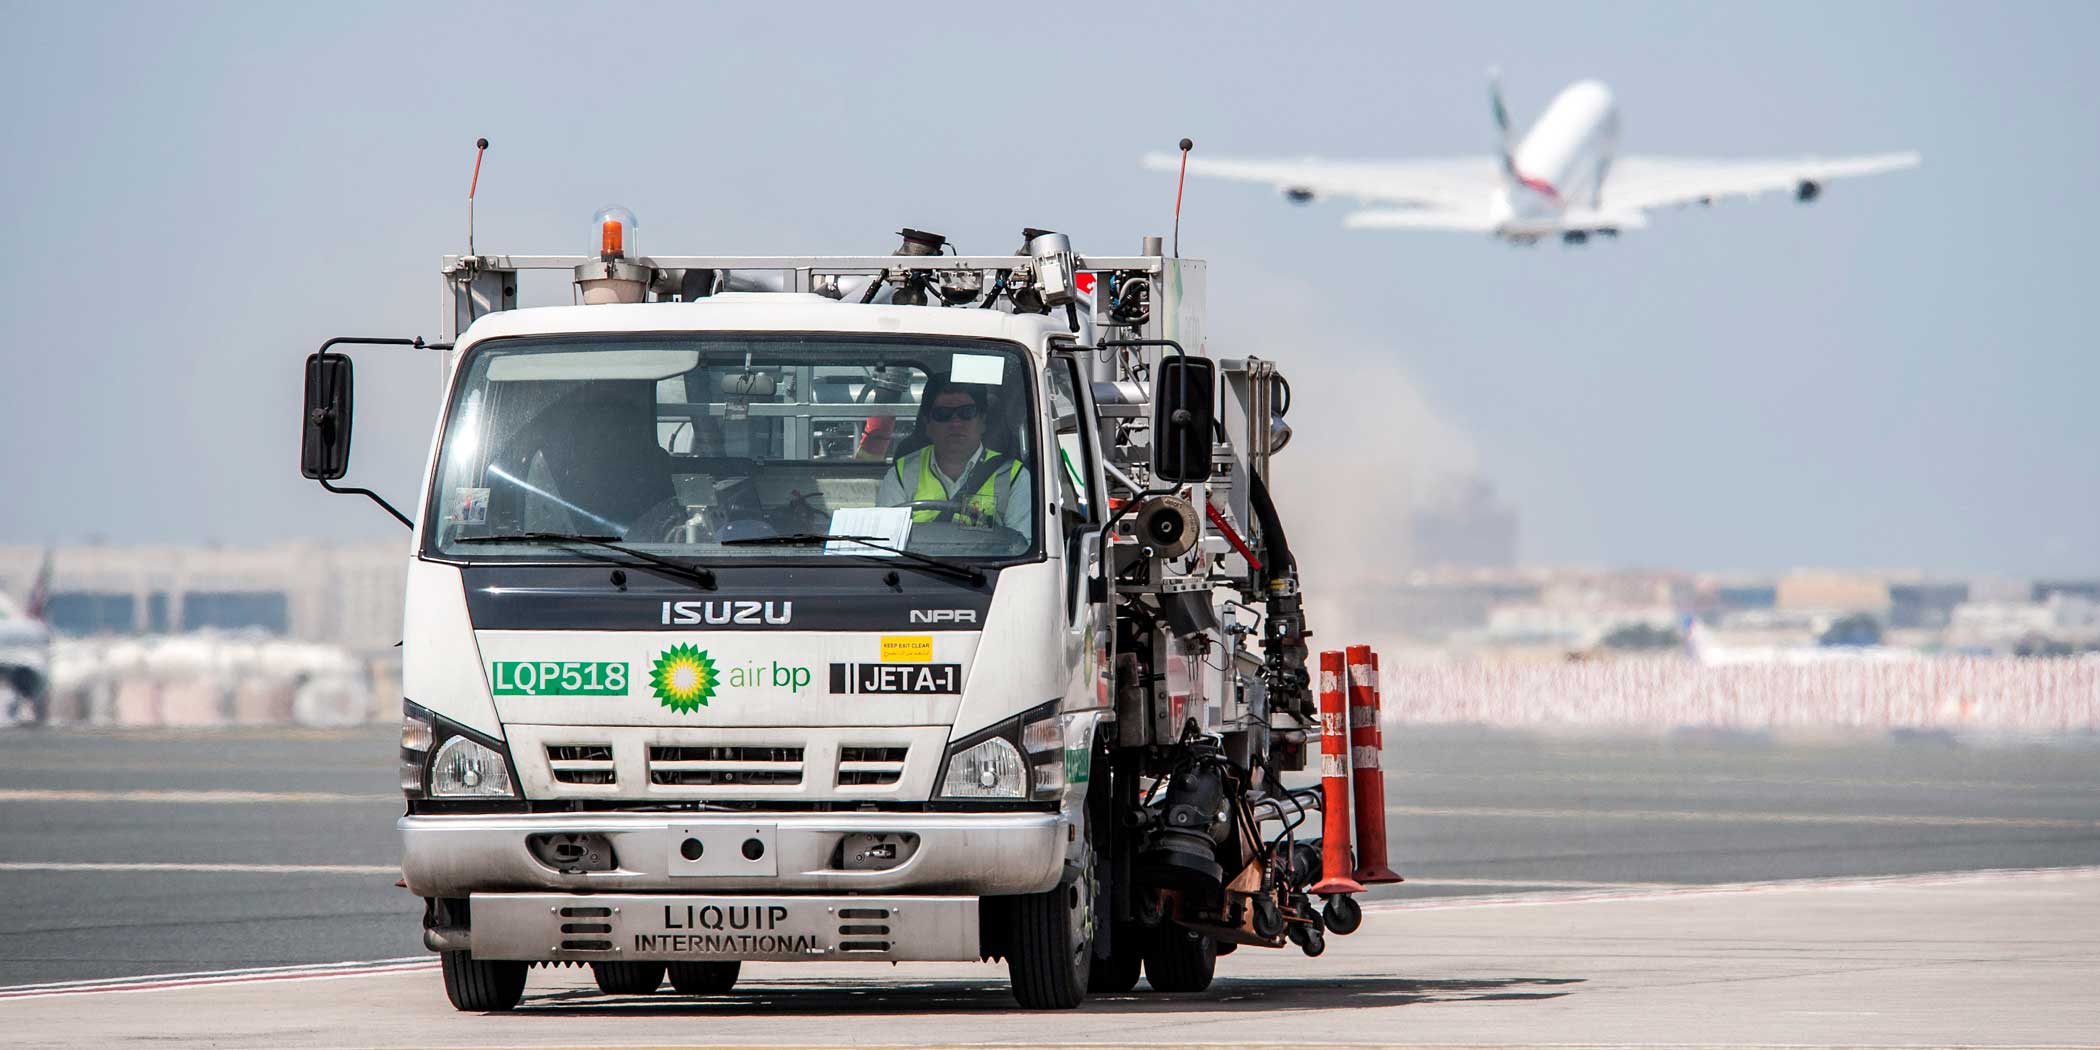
(1184, 418)
(324, 447)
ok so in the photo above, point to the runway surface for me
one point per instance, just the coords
(1559, 890)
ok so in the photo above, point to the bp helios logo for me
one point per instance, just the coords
(683, 678)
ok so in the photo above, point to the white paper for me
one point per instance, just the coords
(977, 368)
(889, 526)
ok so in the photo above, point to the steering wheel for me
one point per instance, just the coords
(955, 506)
(663, 522)
(960, 512)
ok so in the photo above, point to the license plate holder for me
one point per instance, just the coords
(724, 851)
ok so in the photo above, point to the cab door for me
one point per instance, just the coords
(1079, 511)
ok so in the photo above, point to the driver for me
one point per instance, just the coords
(957, 467)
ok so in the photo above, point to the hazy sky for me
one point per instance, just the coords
(1901, 375)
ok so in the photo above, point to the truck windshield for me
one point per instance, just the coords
(680, 445)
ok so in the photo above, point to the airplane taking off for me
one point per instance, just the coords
(1564, 178)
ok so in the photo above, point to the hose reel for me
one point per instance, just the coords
(1167, 524)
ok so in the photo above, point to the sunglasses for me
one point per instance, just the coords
(965, 413)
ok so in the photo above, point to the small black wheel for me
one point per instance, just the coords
(1343, 915)
(705, 978)
(1180, 960)
(628, 978)
(1268, 918)
(1119, 972)
(482, 985)
(1308, 938)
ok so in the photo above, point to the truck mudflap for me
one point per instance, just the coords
(604, 927)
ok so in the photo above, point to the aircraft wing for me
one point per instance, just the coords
(1637, 182)
(1453, 182)
(1474, 220)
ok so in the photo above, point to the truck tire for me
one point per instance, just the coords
(1049, 962)
(628, 978)
(482, 985)
(1119, 972)
(705, 978)
(1180, 960)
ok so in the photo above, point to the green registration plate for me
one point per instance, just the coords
(558, 678)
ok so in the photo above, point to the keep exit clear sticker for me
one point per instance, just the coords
(907, 648)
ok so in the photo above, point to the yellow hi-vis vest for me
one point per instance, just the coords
(989, 501)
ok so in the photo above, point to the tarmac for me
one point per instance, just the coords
(207, 889)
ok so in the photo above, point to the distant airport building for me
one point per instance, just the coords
(1924, 606)
(344, 594)
(2086, 589)
(1836, 591)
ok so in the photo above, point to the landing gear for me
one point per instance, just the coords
(704, 978)
(482, 985)
(628, 978)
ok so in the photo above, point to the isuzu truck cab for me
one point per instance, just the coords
(915, 607)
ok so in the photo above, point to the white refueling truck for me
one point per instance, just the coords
(897, 607)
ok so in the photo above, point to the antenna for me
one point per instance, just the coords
(481, 146)
(1186, 146)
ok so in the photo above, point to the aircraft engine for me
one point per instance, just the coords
(1299, 195)
(1808, 191)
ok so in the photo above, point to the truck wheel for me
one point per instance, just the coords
(1180, 960)
(1052, 953)
(1119, 972)
(628, 978)
(705, 978)
(482, 985)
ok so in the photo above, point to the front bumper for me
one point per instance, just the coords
(640, 928)
(975, 854)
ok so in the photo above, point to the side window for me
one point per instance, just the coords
(1075, 480)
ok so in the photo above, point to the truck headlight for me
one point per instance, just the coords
(990, 768)
(465, 768)
(1020, 758)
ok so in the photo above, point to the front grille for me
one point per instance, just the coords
(870, 766)
(719, 766)
(581, 763)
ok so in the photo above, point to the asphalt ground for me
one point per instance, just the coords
(135, 853)
(1986, 960)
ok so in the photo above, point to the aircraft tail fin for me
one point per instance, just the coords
(1695, 640)
(40, 591)
(1504, 147)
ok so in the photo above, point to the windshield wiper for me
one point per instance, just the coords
(698, 574)
(974, 577)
